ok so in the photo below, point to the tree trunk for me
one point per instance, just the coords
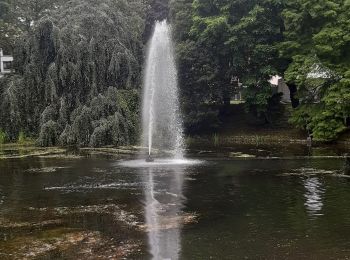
(293, 95)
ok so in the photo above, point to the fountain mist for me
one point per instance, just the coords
(162, 127)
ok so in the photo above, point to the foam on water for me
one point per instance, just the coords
(141, 163)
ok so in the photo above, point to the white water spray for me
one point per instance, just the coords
(162, 126)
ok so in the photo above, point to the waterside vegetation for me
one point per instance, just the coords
(78, 67)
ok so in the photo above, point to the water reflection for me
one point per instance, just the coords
(313, 195)
(2, 197)
(347, 164)
(163, 211)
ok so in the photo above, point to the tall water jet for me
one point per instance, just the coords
(161, 123)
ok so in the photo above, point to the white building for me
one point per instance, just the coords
(278, 86)
(281, 87)
(5, 64)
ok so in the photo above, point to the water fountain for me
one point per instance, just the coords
(161, 123)
(162, 130)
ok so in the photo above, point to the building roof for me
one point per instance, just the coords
(318, 71)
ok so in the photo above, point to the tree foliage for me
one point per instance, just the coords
(78, 64)
(194, 70)
(77, 75)
(317, 48)
(21, 16)
(221, 42)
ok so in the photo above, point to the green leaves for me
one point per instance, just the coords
(239, 39)
(318, 48)
(325, 127)
(72, 68)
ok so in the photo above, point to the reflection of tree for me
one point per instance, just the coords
(347, 165)
(313, 196)
(13, 181)
(163, 206)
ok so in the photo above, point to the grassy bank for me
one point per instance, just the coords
(236, 131)
(238, 127)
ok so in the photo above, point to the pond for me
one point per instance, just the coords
(100, 207)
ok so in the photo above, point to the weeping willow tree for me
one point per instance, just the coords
(77, 75)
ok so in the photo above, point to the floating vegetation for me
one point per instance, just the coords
(115, 211)
(25, 152)
(8, 225)
(45, 169)
(241, 155)
(112, 150)
(99, 170)
(96, 186)
(310, 172)
(70, 243)
(172, 222)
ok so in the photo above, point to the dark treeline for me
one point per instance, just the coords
(223, 43)
(78, 64)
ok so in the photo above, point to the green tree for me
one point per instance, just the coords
(156, 10)
(19, 17)
(317, 48)
(75, 69)
(195, 71)
(219, 42)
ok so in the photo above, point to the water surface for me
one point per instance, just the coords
(246, 208)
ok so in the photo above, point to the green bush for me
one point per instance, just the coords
(326, 126)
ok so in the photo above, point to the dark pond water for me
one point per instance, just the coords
(95, 208)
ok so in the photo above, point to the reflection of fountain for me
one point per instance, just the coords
(162, 127)
(164, 202)
(313, 196)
